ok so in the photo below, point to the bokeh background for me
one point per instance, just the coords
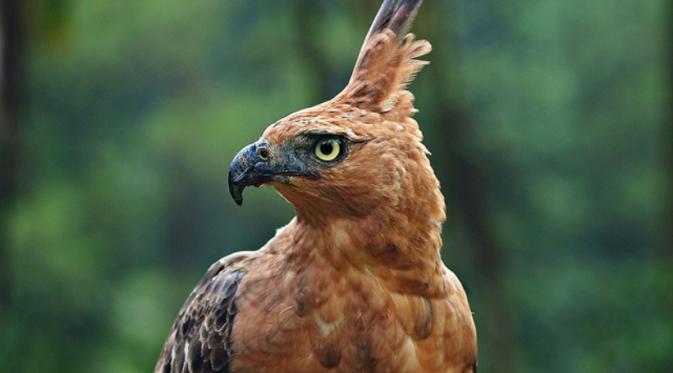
(548, 121)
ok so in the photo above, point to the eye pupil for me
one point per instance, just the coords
(326, 148)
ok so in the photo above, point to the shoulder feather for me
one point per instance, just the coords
(200, 339)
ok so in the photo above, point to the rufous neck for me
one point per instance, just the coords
(399, 245)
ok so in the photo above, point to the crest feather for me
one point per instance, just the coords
(387, 61)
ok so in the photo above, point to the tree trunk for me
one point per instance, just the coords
(669, 145)
(11, 42)
(468, 190)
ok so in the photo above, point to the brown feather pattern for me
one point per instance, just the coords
(355, 282)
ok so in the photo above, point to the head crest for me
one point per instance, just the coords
(387, 61)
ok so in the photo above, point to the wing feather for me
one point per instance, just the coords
(200, 339)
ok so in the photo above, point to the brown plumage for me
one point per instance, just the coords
(355, 282)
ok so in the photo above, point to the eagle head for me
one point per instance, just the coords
(333, 159)
(362, 149)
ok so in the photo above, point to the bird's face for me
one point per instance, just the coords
(325, 167)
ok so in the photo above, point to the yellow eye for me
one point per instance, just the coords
(328, 149)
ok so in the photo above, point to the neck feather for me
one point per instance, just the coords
(400, 244)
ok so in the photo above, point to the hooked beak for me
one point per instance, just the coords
(249, 167)
(256, 165)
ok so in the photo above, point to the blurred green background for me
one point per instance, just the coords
(549, 123)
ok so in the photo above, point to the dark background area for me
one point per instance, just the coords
(549, 123)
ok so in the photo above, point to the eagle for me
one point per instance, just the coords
(355, 281)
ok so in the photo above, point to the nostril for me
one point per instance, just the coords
(263, 153)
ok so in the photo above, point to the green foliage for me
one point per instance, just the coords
(131, 118)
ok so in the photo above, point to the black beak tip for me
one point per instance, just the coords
(239, 201)
(236, 191)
